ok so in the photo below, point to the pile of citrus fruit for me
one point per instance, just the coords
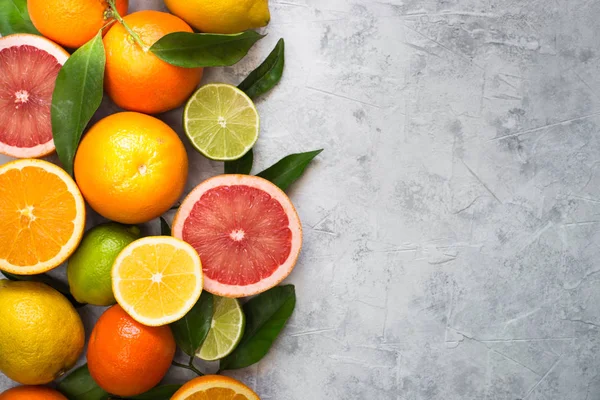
(233, 236)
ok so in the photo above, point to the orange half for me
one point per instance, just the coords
(215, 387)
(42, 216)
(157, 280)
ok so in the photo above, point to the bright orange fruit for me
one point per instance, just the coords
(135, 78)
(31, 393)
(42, 216)
(127, 358)
(71, 23)
(131, 167)
(215, 387)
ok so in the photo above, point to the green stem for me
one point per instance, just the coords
(115, 14)
(189, 366)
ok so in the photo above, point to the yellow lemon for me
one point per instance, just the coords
(157, 280)
(223, 16)
(41, 334)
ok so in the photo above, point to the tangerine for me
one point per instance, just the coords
(127, 358)
(31, 393)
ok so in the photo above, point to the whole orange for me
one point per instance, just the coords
(135, 78)
(127, 358)
(131, 167)
(31, 393)
(71, 23)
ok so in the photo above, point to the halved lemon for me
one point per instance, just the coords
(42, 216)
(157, 280)
(215, 387)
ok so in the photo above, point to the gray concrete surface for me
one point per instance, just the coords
(452, 225)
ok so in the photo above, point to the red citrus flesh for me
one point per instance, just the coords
(246, 231)
(29, 65)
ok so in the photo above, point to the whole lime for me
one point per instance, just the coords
(90, 266)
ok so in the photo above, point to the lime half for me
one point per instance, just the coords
(221, 122)
(226, 330)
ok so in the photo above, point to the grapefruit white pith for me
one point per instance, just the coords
(246, 231)
(29, 65)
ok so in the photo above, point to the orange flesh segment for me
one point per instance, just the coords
(37, 214)
(217, 394)
(156, 280)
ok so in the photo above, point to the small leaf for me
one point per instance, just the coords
(191, 330)
(77, 96)
(79, 385)
(14, 18)
(266, 315)
(287, 170)
(241, 166)
(158, 393)
(192, 50)
(267, 75)
(165, 229)
(48, 280)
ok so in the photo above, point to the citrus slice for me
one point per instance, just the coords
(245, 230)
(42, 216)
(29, 65)
(215, 387)
(157, 280)
(221, 121)
(226, 329)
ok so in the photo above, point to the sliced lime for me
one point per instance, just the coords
(226, 330)
(221, 122)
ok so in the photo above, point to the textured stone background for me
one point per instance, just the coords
(452, 224)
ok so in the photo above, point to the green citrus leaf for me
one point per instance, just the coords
(267, 75)
(266, 315)
(79, 385)
(48, 280)
(191, 330)
(14, 18)
(240, 166)
(77, 96)
(287, 170)
(165, 229)
(158, 393)
(192, 50)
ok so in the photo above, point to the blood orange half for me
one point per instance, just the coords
(246, 231)
(29, 65)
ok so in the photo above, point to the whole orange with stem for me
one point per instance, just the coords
(72, 23)
(131, 167)
(31, 393)
(135, 78)
(127, 358)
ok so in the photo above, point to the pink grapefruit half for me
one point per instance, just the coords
(246, 231)
(29, 65)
